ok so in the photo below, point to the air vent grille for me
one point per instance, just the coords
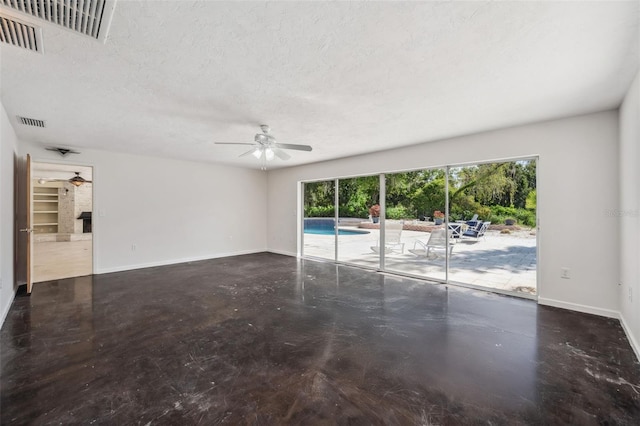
(83, 16)
(31, 122)
(19, 34)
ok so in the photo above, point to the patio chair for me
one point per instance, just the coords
(456, 229)
(473, 222)
(437, 241)
(392, 238)
(477, 231)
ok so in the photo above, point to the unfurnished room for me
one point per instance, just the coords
(323, 212)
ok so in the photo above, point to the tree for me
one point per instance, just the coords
(319, 198)
(473, 189)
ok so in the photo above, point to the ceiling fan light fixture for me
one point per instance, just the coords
(266, 148)
(268, 152)
(77, 180)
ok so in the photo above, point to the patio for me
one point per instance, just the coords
(497, 261)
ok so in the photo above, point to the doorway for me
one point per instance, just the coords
(62, 206)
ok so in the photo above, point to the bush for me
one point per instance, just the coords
(494, 214)
(354, 211)
(319, 211)
(463, 207)
(399, 212)
(484, 213)
(523, 216)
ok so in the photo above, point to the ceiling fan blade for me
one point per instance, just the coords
(234, 143)
(292, 146)
(61, 151)
(281, 154)
(251, 151)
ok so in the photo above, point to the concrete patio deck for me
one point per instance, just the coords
(496, 261)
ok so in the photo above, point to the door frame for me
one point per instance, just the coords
(94, 216)
(22, 218)
(446, 167)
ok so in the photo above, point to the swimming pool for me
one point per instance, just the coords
(326, 227)
(324, 231)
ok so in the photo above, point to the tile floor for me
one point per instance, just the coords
(53, 260)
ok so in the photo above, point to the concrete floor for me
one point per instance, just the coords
(270, 339)
(497, 261)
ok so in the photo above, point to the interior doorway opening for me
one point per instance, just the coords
(61, 208)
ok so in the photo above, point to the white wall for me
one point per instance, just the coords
(629, 214)
(172, 211)
(577, 176)
(8, 143)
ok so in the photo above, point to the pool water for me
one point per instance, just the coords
(328, 231)
(326, 226)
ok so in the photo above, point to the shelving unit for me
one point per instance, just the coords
(45, 210)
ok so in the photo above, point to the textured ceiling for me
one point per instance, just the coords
(344, 77)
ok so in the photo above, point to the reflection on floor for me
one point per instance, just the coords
(54, 260)
(269, 339)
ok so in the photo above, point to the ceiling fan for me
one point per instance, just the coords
(61, 151)
(266, 148)
(77, 180)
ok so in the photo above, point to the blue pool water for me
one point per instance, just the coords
(327, 227)
(326, 231)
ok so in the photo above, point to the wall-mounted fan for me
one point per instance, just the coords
(266, 148)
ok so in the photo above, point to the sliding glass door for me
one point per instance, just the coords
(492, 212)
(358, 226)
(319, 220)
(416, 201)
(473, 225)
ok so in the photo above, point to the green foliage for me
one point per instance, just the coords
(484, 189)
(399, 212)
(526, 182)
(464, 207)
(319, 211)
(531, 202)
(356, 195)
(354, 211)
(523, 216)
(319, 193)
(506, 184)
(429, 197)
(489, 183)
(483, 213)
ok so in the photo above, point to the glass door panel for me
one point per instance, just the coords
(358, 223)
(416, 199)
(493, 217)
(319, 238)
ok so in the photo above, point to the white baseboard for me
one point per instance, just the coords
(579, 308)
(174, 261)
(283, 252)
(632, 341)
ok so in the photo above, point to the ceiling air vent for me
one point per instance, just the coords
(88, 17)
(20, 34)
(31, 122)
